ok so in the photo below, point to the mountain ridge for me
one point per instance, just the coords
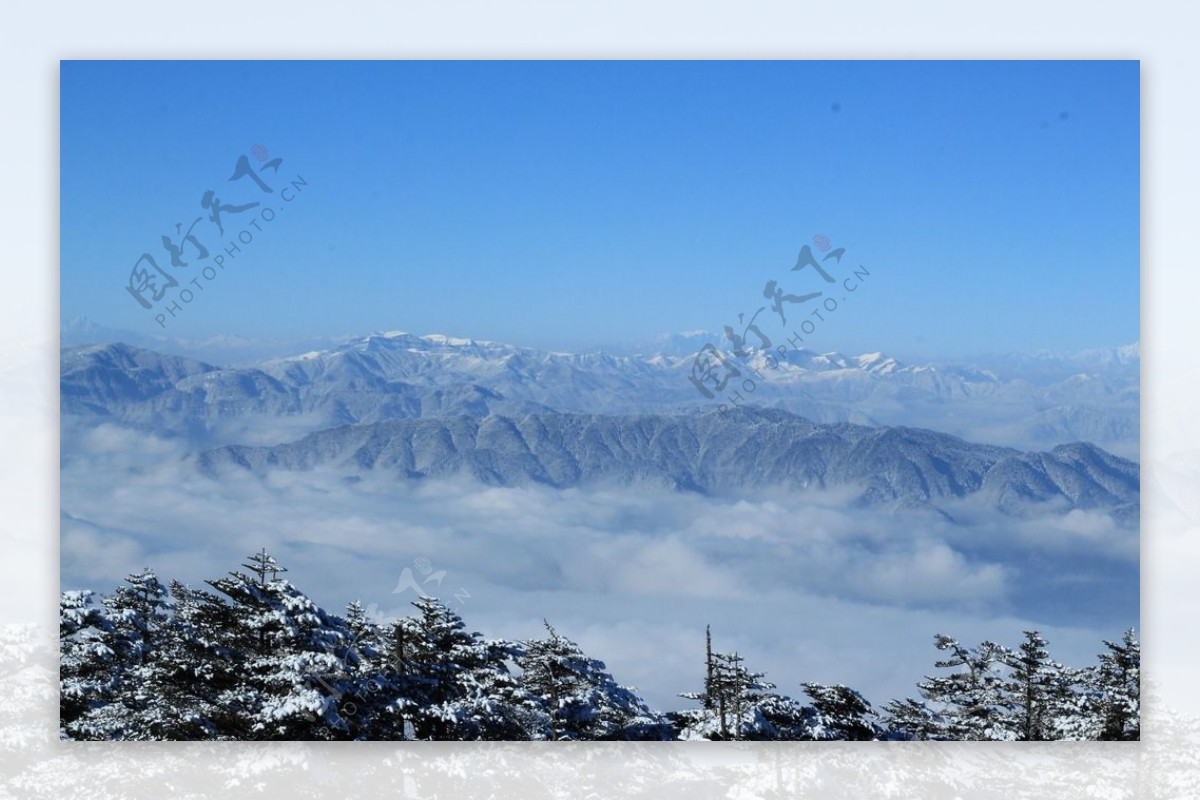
(397, 375)
(711, 454)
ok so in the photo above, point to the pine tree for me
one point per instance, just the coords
(972, 699)
(408, 688)
(780, 717)
(737, 693)
(702, 723)
(425, 647)
(1117, 680)
(138, 612)
(188, 673)
(576, 698)
(738, 704)
(289, 654)
(489, 700)
(913, 720)
(1040, 693)
(454, 685)
(268, 663)
(87, 672)
(1073, 704)
(370, 685)
(842, 713)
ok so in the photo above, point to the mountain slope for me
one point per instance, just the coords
(711, 454)
(1040, 402)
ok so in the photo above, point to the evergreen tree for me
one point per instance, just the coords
(454, 685)
(575, 698)
(189, 672)
(1039, 692)
(87, 664)
(366, 693)
(490, 703)
(737, 693)
(1117, 681)
(842, 713)
(428, 646)
(972, 699)
(410, 688)
(138, 613)
(739, 704)
(285, 649)
(268, 663)
(913, 720)
(779, 717)
(1072, 708)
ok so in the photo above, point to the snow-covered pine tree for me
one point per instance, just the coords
(576, 696)
(738, 704)
(489, 702)
(187, 673)
(87, 674)
(737, 693)
(972, 699)
(139, 612)
(454, 684)
(1073, 706)
(783, 718)
(423, 647)
(1039, 691)
(912, 720)
(1117, 679)
(699, 724)
(707, 696)
(409, 688)
(1028, 687)
(842, 713)
(371, 683)
(288, 654)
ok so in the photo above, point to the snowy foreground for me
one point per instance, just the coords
(259, 660)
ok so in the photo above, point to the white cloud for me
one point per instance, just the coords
(806, 586)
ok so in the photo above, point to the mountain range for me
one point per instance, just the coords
(713, 453)
(1030, 403)
(433, 406)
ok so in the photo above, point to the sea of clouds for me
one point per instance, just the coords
(807, 586)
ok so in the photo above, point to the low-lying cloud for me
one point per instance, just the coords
(803, 584)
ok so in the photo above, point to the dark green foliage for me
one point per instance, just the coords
(259, 660)
(1117, 681)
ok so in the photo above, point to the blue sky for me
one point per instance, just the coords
(565, 204)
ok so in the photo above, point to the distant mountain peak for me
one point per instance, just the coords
(1030, 403)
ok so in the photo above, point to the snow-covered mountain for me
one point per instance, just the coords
(712, 453)
(1030, 403)
(223, 349)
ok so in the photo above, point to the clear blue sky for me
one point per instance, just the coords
(562, 204)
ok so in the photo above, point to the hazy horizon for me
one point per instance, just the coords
(674, 342)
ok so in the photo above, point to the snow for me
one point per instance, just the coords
(267, 662)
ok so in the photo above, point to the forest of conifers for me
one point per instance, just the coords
(258, 660)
